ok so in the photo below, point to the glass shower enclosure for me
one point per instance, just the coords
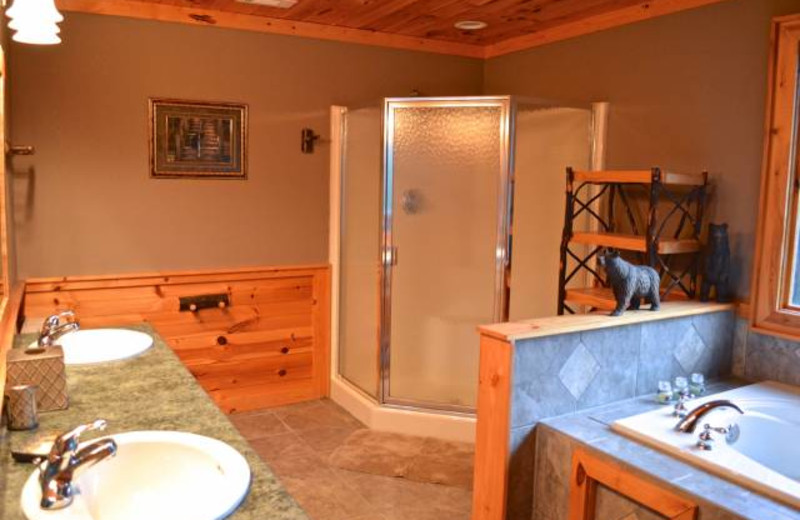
(428, 191)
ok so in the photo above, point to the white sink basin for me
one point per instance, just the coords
(85, 347)
(156, 475)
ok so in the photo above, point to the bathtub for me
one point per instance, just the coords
(766, 456)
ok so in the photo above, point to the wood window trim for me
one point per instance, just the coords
(771, 312)
(589, 470)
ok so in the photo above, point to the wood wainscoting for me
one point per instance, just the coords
(268, 347)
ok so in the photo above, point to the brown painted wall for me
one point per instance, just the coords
(687, 92)
(85, 204)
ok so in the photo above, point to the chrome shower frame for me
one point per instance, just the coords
(388, 248)
(510, 105)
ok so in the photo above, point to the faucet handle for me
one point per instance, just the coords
(68, 316)
(48, 326)
(54, 320)
(50, 323)
(680, 409)
(731, 432)
(67, 443)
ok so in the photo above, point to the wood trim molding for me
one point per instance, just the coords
(768, 312)
(72, 283)
(567, 324)
(5, 277)
(744, 310)
(10, 308)
(490, 488)
(644, 10)
(246, 22)
(589, 471)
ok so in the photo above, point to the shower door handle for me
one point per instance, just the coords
(390, 256)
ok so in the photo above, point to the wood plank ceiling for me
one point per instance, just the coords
(424, 24)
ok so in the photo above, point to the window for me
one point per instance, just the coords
(776, 282)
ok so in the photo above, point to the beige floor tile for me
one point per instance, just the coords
(424, 513)
(270, 448)
(299, 461)
(378, 453)
(258, 425)
(442, 462)
(402, 493)
(320, 416)
(296, 441)
(326, 497)
(325, 440)
(280, 411)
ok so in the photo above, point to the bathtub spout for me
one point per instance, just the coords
(689, 423)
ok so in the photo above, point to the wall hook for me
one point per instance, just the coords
(307, 140)
(19, 150)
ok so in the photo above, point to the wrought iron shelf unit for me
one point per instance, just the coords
(674, 204)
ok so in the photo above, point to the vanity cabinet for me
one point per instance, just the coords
(266, 345)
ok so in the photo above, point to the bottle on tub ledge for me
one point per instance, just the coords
(665, 394)
(690, 388)
(697, 384)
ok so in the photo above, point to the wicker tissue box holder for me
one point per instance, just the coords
(43, 367)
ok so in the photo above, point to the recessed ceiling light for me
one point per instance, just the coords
(470, 25)
(283, 4)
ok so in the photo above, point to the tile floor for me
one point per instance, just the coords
(297, 440)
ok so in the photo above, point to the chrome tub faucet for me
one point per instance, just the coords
(688, 424)
(58, 470)
(53, 327)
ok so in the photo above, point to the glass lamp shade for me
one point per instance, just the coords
(33, 26)
(41, 35)
(35, 22)
(28, 11)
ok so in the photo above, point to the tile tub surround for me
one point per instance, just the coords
(760, 357)
(151, 392)
(538, 369)
(556, 439)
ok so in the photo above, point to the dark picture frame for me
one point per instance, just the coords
(197, 139)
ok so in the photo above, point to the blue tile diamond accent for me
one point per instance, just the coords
(690, 349)
(579, 371)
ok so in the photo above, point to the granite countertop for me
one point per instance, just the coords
(592, 428)
(151, 392)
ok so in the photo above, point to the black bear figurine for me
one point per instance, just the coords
(631, 283)
(717, 264)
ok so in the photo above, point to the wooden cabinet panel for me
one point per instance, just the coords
(268, 347)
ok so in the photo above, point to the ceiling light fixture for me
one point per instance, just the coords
(281, 4)
(35, 22)
(470, 25)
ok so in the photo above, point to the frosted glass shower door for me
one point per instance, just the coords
(547, 141)
(445, 187)
(359, 248)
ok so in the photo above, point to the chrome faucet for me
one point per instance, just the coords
(53, 328)
(689, 423)
(57, 471)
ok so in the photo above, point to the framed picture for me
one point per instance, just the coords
(198, 140)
